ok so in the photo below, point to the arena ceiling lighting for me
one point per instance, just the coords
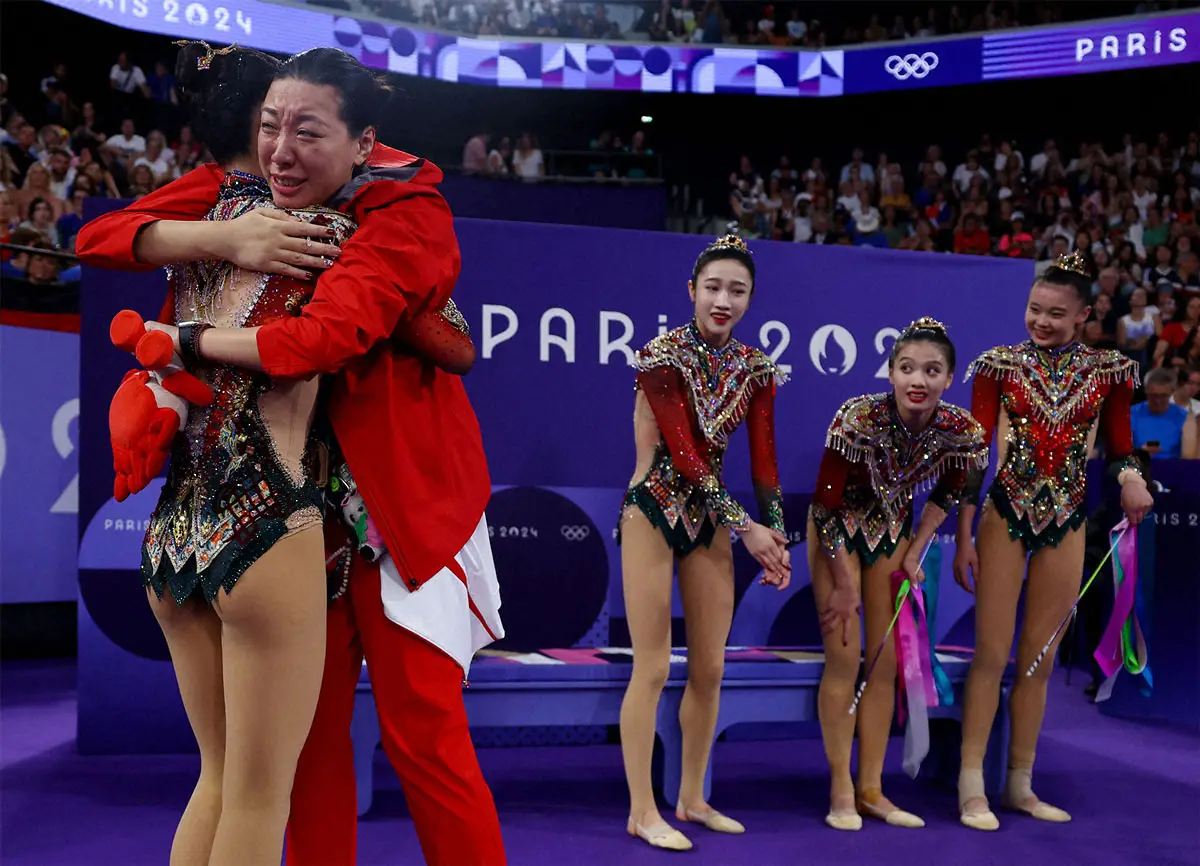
(1102, 46)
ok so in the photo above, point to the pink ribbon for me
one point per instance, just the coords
(917, 690)
(1113, 654)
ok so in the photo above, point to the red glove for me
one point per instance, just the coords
(150, 406)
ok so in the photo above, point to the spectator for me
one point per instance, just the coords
(527, 161)
(896, 197)
(1174, 333)
(187, 150)
(972, 238)
(9, 221)
(68, 224)
(1160, 426)
(1162, 269)
(822, 233)
(54, 89)
(865, 172)
(87, 131)
(161, 85)
(37, 186)
(1138, 329)
(1016, 242)
(475, 154)
(141, 181)
(1186, 269)
(1188, 388)
(156, 158)
(638, 168)
(41, 220)
(921, 239)
(497, 163)
(128, 146)
(125, 78)
(769, 207)
(43, 270)
(62, 173)
(17, 265)
(21, 147)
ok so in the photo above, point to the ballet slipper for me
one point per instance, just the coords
(840, 820)
(712, 819)
(970, 787)
(1018, 792)
(662, 836)
(868, 805)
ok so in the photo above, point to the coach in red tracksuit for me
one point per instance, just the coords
(413, 444)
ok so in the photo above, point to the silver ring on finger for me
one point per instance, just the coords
(307, 244)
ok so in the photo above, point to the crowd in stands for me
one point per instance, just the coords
(1129, 211)
(118, 138)
(607, 157)
(786, 22)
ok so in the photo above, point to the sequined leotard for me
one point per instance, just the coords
(1051, 398)
(699, 395)
(873, 465)
(242, 476)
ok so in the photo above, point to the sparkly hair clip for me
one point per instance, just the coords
(1074, 263)
(204, 61)
(925, 323)
(729, 242)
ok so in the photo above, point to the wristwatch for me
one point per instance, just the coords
(189, 341)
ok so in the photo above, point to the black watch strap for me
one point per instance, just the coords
(189, 341)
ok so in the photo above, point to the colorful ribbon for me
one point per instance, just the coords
(917, 691)
(931, 588)
(1124, 643)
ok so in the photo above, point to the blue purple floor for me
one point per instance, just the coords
(1134, 790)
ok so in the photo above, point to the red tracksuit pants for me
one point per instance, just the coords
(418, 695)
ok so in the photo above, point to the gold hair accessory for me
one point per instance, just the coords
(925, 323)
(729, 242)
(1074, 263)
(205, 60)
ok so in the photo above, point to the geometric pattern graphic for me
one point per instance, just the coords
(1152, 40)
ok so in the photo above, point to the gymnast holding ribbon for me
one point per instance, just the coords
(880, 450)
(1048, 393)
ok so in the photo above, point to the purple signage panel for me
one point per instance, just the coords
(556, 313)
(1104, 46)
(658, 68)
(904, 66)
(39, 480)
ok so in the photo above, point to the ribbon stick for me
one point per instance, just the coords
(901, 593)
(1124, 527)
(1124, 643)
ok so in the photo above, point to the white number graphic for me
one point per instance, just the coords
(765, 334)
(222, 16)
(883, 334)
(243, 22)
(60, 433)
(171, 7)
(196, 15)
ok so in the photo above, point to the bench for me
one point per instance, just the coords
(584, 686)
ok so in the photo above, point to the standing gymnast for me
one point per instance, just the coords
(696, 384)
(880, 449)
(1048, 392)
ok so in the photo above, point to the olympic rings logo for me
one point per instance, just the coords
(576, 533)
(911, 65)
